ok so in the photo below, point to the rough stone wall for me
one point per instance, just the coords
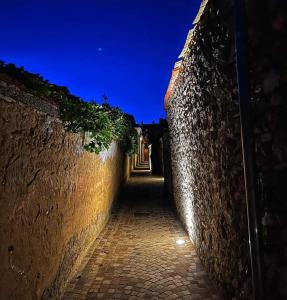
(268, 62)
(206, 148)
(206, 152)
(168, 187)
(55, 199)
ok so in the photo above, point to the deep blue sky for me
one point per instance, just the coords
(124, 49)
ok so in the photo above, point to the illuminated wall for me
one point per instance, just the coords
(204, 123)
(207, 171)
(55, 197)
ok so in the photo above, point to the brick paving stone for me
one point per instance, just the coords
(137, 257)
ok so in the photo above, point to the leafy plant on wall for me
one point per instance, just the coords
(102, 123)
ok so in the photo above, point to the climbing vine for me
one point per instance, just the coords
(102, 124)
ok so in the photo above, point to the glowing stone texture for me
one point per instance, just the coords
(204, 125)
(55, 197)
(207, 171)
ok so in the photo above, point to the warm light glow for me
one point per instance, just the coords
(180, 242)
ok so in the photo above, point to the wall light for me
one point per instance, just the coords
(180, 242)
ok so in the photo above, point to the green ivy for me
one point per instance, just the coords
(101, 124)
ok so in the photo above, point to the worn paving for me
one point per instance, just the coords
(137, 257)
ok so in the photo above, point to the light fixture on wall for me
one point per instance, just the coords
(180, 242)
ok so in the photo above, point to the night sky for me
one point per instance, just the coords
(124, 49)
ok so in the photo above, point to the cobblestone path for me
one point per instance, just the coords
(137, 257)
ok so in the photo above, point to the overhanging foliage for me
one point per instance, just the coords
(102, 123)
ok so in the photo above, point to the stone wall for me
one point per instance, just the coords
(167, 167)
(127, 167)
(55, 198)
(204, 124)
(206, 155)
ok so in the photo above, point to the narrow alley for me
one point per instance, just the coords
(143, 253)
(143, 150)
